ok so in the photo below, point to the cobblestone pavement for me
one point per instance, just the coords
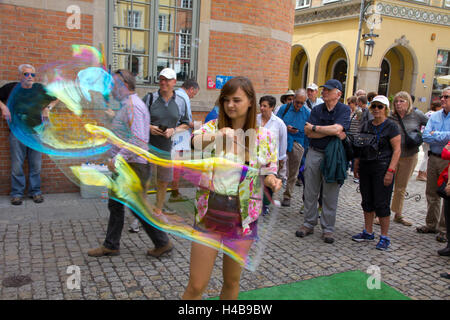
(43, 240)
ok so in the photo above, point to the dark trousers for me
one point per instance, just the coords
(117, 216)
(375, 195)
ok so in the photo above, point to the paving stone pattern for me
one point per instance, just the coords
(43, 240)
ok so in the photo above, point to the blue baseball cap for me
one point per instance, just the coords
(333, 84)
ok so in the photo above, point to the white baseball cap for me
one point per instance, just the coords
(168, 73)
(381, 99)
(313, 86)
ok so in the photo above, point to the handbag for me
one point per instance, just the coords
(365, 144)
(348, 147)
(412, 139)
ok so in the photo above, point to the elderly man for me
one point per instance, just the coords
(130, 123)
(437, 135)
(313, 100)
(31, 100)
(329, 119)
(294, 115)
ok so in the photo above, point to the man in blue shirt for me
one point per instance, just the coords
(437, 135)
(294, 115)
(327, 120)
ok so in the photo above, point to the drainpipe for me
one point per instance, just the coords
(355, 75)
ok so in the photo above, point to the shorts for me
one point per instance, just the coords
(224, 219)
(375, 195)
(164, 174)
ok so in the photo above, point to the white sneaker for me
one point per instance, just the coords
(134, 227)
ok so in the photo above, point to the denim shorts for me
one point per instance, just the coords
(224, 219)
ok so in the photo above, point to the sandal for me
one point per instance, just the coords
(38, 198)
(441, 237)
(16, 201)
(402, 221)
(425, 229)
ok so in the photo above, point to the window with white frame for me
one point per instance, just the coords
(134, 19)
(149, 35)
(447, 3)
(302, 4)
(329, 1)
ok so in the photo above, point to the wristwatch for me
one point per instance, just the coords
(314, 128)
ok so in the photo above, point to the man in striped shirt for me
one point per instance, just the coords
(132, 124)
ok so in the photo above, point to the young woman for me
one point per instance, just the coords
(236, 196)
(375, 167)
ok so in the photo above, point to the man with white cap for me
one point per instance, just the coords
(312, 91)
(167, 116)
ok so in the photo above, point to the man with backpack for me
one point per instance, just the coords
(294, 115)
(167, 116)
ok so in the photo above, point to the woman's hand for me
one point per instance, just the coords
(227, 133)
(388, 178)
(273, 183)
(447, 189)
(169, 132)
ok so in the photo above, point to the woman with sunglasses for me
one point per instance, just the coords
(228, 209)
(412, 120)
(375, 167)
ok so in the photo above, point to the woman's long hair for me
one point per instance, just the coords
(230, 88)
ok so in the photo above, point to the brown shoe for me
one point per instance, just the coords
(421, 176)
(328, 237)
(16, 201)
(38, 198)
(158, 252)
(102, 251)
(425, 229)
(303, 232)
(402, 221)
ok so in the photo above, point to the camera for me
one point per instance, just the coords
(162, 127)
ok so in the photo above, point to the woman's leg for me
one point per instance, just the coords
(368, 221)
(202, 263)
(232, 273)
(405, 170)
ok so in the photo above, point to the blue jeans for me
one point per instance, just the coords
(18, 180)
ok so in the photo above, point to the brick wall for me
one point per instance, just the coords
(263, 59)
(37, 37)
(278, 15)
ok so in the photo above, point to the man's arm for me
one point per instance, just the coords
(323, 131)
(431, 135)
(5, 112)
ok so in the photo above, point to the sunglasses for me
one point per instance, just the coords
(379, 106)
(27, 74)
(444, 96)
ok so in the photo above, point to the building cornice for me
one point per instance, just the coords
(327, 13)
(351, 9)
(424, 15)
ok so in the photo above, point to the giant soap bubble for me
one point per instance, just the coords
(83, 128)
